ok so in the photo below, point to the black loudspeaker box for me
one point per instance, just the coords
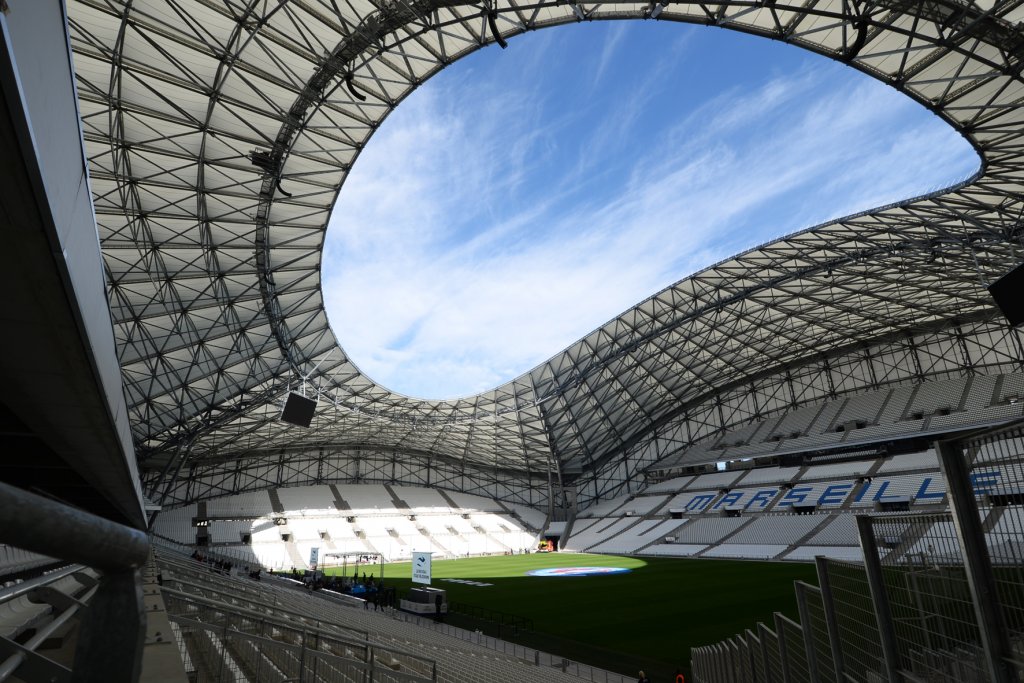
(298, 410)
(1008, 291)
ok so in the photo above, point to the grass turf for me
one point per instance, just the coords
(648, 618)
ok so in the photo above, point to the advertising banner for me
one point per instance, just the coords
(421, 568)
(314, 555)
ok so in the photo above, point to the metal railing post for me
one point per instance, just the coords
(112, 631)
(825, 584)
(977, 563)
(879, 598)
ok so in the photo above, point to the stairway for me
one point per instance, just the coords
(294, 556)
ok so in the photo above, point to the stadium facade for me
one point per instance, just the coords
(217, 136)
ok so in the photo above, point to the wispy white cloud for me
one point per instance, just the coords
(612, 42)
(488, 225)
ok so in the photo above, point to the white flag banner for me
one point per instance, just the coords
(421, 568)
(314, 555)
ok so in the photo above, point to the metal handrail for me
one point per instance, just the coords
(40, 525)
(372, 640)
(303, 651)
(29, 585)
(359, 636)
(112, 629)
(11, 664)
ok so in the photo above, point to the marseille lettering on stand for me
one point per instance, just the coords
(930, 489)
(923, 493)
(730, 498)
(762, 498)
(797, 494)
(835, 494)
(700, 502)
(985, 482)
(880, 494)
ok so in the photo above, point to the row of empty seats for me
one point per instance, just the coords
(934, 405)
(15, 560)
(343, 635)
(348, 519)
(740, 513)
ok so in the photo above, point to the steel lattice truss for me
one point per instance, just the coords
(220, 132)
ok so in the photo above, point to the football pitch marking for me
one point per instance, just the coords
(577, 571)
(468, 582)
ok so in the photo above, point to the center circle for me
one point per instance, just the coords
(577, 571)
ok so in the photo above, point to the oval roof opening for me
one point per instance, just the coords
(523, 197)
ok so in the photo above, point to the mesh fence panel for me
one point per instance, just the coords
(757, 665)
(997, 474)
(744, 673)
(819, 633)
(924, 578)
(855, 614)
(936, 629)
(792, 637)
(698, 664)
(770, 647)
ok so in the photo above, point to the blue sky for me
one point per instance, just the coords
(524, 197)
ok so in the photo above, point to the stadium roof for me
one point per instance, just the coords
(220, 133)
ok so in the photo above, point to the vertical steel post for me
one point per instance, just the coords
(112, 631)
(805, 627)
(977, 563)
(879, 598)
(825, 584)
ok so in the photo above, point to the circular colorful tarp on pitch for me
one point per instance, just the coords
(577, 571)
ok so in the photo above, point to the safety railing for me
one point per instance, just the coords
(524, 653)
(939, 597)
(109, 614)
(220, 622)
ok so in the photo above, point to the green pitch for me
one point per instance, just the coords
(647, 618)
